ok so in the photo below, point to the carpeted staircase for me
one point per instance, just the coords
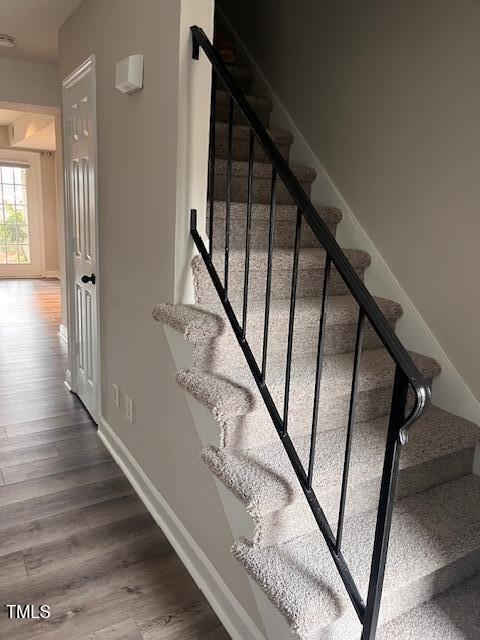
(435, 541)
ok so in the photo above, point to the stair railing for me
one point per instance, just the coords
(407, 377)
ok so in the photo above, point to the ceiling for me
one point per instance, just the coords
(37, 132)
(34, 25)
(7, 116)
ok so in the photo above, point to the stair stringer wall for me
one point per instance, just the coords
(239, 521)
(194, 88)
(450, 392)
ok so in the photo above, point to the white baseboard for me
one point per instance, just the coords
(229, 611)
(63, 332)
(450, 391)
(68, 379)
(476, 462)
(52, 274)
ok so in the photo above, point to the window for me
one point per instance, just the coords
(14, 218)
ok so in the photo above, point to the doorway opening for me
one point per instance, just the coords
(41, 223)
(29, 195)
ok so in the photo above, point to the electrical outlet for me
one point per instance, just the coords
(129, 408)
(115, 395)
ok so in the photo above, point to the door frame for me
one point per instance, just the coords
(87, 67)
(32, 158)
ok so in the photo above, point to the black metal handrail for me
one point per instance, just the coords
(407, 375)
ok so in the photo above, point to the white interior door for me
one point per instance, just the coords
(80, 169)
(20, 215)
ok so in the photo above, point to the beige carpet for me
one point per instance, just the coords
(436, 533)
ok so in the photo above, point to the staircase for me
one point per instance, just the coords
(435, 536)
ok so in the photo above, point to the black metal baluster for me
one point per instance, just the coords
(351, 423)
(268, 293)
(211, 168)
(248, 231)
(293, 299)
(228, 197)
(319, 368)
(385, 504)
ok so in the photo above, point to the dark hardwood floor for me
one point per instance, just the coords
(73, 535)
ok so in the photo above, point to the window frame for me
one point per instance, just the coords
(36, 266)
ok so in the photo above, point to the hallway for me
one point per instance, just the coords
(73, 535)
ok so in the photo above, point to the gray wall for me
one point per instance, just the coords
(387, 94)
(137, 190)
(29, 82)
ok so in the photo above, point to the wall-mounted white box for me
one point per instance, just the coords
(129, 77)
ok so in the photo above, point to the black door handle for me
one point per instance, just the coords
(86, 279)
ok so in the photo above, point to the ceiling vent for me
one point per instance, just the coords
(6, 41)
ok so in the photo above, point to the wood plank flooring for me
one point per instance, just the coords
(73, 535)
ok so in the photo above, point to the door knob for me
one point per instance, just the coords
(86, 279)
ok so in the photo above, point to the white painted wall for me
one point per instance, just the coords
(193, 137)
(146, 183)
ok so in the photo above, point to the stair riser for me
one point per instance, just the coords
(261, 189)
(222, 113)
(309, 285)
(218, 355)
(296, 519)
(404, 599)
(246, 432)
(244, 84)
(284, 234)
(241, 148)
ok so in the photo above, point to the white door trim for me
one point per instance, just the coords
(87, 67)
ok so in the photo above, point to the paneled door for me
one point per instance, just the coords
(79, 115)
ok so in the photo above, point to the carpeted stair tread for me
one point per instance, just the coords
(242, 76)
(310, 275)
(261, 106)
(283, 227)
(435, 537)
(257, 102)
(241, 142)
(197, 323)
(238, 71)
(221, 396)
(216, 345)
(376, 371)
(283, 212)
(242, 131)
(340, 310)
(264, 480)
(453, 615)
(261, 170)
(282, 258)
